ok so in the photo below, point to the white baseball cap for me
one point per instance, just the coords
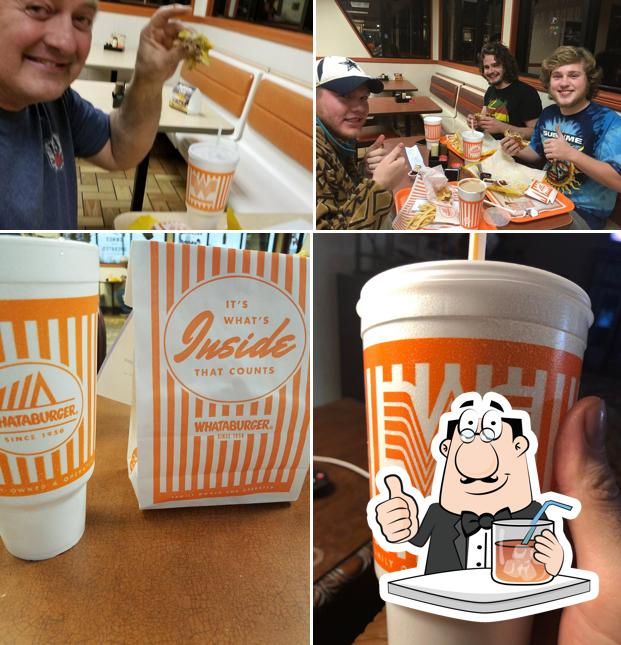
(343, 75)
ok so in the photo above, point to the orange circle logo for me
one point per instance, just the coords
(234, 339)
(41, 406)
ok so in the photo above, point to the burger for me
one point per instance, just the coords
(517, 137)
(195, 45)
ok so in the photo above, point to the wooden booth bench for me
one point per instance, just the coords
(272, 119)
(446, 91)
(274, 179)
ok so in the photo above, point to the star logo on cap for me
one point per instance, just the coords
(350, 64)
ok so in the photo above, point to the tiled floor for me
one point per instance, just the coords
(103, 195)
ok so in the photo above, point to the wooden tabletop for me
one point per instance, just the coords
(339, 519)
(100, 58)
(228, 574)
(399, 86)
(99, 93)
(547, 223)
(235, 221)
(386, 105)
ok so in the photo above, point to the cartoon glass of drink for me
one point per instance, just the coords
(513, 562)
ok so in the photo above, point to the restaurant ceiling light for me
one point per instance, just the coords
(358, 11)
(359, 5)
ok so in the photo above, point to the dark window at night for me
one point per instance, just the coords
(394, 29)
(585, 23)
(296, 15)
(468, 25)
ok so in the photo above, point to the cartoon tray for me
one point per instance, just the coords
(472, 591)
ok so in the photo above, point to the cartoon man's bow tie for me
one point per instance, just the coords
(471, 522)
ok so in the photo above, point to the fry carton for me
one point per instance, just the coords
(541, 191)
(221, 375)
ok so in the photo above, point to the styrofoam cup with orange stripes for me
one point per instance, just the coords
(473, 145)
(470, 193)
(211, 168)
(49, 302)
(434, 330)
(433, 129)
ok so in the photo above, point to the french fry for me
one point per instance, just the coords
(424, 216)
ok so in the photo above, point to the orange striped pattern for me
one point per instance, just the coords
(60, 333)
(406, 398)
(207, 191)
(189, 463)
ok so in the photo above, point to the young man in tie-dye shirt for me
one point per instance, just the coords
(577, 141)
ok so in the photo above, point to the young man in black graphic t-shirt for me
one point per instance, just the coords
(509, 104)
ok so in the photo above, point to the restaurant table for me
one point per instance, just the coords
(339, 519)
(388, 106)
(111, 60)
(235, 221)
(564, 220)
(99, 93)
(222, 574)
(399, 86)
(345, 595)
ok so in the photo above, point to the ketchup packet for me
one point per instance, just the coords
(221, 375)
(541, 191)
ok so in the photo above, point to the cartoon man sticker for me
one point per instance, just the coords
(485, 473)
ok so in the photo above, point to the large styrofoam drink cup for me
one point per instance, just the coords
(471, 193)
(473, 145)
(434, 330)
(433, 129)
(49, 303)
(211, 168)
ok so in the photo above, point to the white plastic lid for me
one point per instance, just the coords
(42, 531)
(31, 259)
(214, 155)
(465, 289)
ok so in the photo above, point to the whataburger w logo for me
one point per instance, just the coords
(41, 406)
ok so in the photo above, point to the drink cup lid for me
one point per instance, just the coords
(214, 151)
(30, 259)
(464, 289)
(44, 529)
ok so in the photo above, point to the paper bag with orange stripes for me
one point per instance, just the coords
(221, 378)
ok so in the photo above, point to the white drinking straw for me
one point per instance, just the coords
(542, 510)
(476, 246)
(219, 135)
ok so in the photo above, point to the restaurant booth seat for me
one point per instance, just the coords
(469, 101)
(275, 171)
(445, 91)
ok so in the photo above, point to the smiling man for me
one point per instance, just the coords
(350, 195)
(508, 102)
(576, 141)
(44, 125)
(485, 478)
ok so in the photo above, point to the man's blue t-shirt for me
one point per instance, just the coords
(38, 147)
(596, 131)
